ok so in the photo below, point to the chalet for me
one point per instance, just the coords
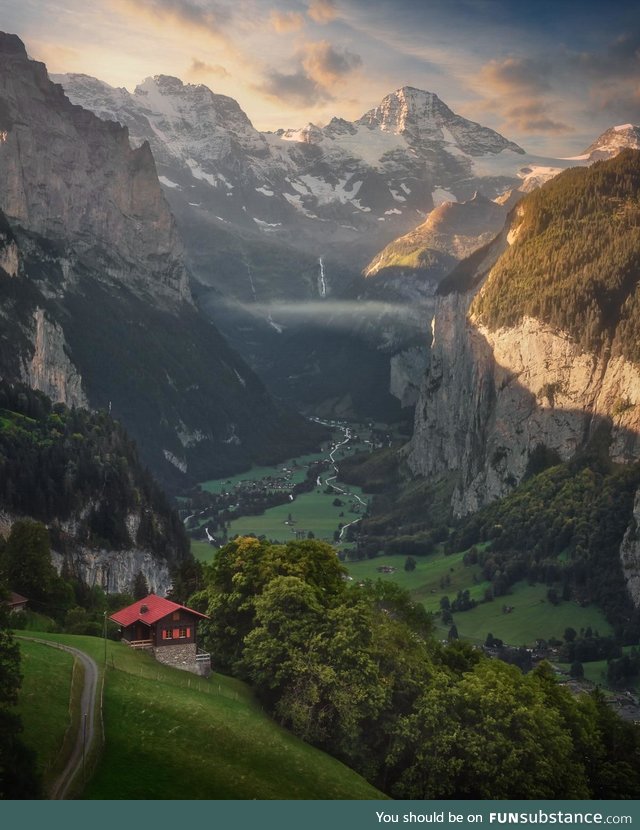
(165, 628)
(16, 603)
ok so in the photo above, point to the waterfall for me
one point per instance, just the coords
(322, 285)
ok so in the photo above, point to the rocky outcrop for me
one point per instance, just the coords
(630, 553)
(489, 398)
(50, 370)
(115, 570)
(68, 175)
(407, 370)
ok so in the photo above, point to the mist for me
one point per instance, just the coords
(337, 314)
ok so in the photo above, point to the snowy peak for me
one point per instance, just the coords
(421, 117)
(350, 183)
(613, 140)
(403, 108)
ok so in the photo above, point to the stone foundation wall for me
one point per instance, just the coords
(179, 656)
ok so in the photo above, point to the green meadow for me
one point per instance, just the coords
(44, 704)
(172, 735)
(532, 617)
(312, 511)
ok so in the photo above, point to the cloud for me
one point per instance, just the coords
(619, 58)
(516, 75)
(531, 116)
(199, 67)
(295, 87)
(519, 90)
(283, 22)
(620, 101)
(332, 314)
(320, 68)
(322, 11)
(327, 65)
(189, 14)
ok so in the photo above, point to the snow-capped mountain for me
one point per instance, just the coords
(346, 185)
(612, 141)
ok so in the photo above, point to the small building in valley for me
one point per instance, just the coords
(16, 603)
(165, 628)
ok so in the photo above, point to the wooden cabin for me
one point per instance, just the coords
(16, 603)
(165, 628)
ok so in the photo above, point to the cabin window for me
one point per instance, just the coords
(175, 616)
(167, 634)
(184, 632)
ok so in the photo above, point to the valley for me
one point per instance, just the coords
(327, 507)
(301, 498)
(347, 413)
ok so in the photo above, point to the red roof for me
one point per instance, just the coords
(156, 608)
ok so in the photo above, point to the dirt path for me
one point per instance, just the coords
(87, 733)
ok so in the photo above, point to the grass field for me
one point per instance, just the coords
(533, 616)
(44, 703)
(172, 735)
(312, 511)
(424, 581)
(203, 551)
(596, 672)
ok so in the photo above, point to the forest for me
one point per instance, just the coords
(576, 259)
(58, 463)
(563, 528)
(356, 670)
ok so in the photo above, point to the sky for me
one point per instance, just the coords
(549, 75)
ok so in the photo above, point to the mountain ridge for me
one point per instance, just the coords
(96, 295)
(496, 389)
(328, 183)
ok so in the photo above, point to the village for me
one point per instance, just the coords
(212, 511)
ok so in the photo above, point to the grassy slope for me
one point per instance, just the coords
(172, 735)
(533, 615)
(45, 716)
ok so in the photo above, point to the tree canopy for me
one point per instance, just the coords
(355, 670)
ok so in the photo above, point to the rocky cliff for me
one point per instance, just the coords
(494, 393)
(67, 175)
(94, 291)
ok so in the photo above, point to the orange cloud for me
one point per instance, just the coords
(327, 65)
(515, 75)
(199, 67)
(184, 14)
(283, 22)
(322, 11)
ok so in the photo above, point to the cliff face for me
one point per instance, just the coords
(494, 393)
(630, 553)
(68, 175)
(489, 399)
(115, 571)
(94, 294)
(50, 370)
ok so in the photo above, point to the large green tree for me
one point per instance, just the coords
(28, 560)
